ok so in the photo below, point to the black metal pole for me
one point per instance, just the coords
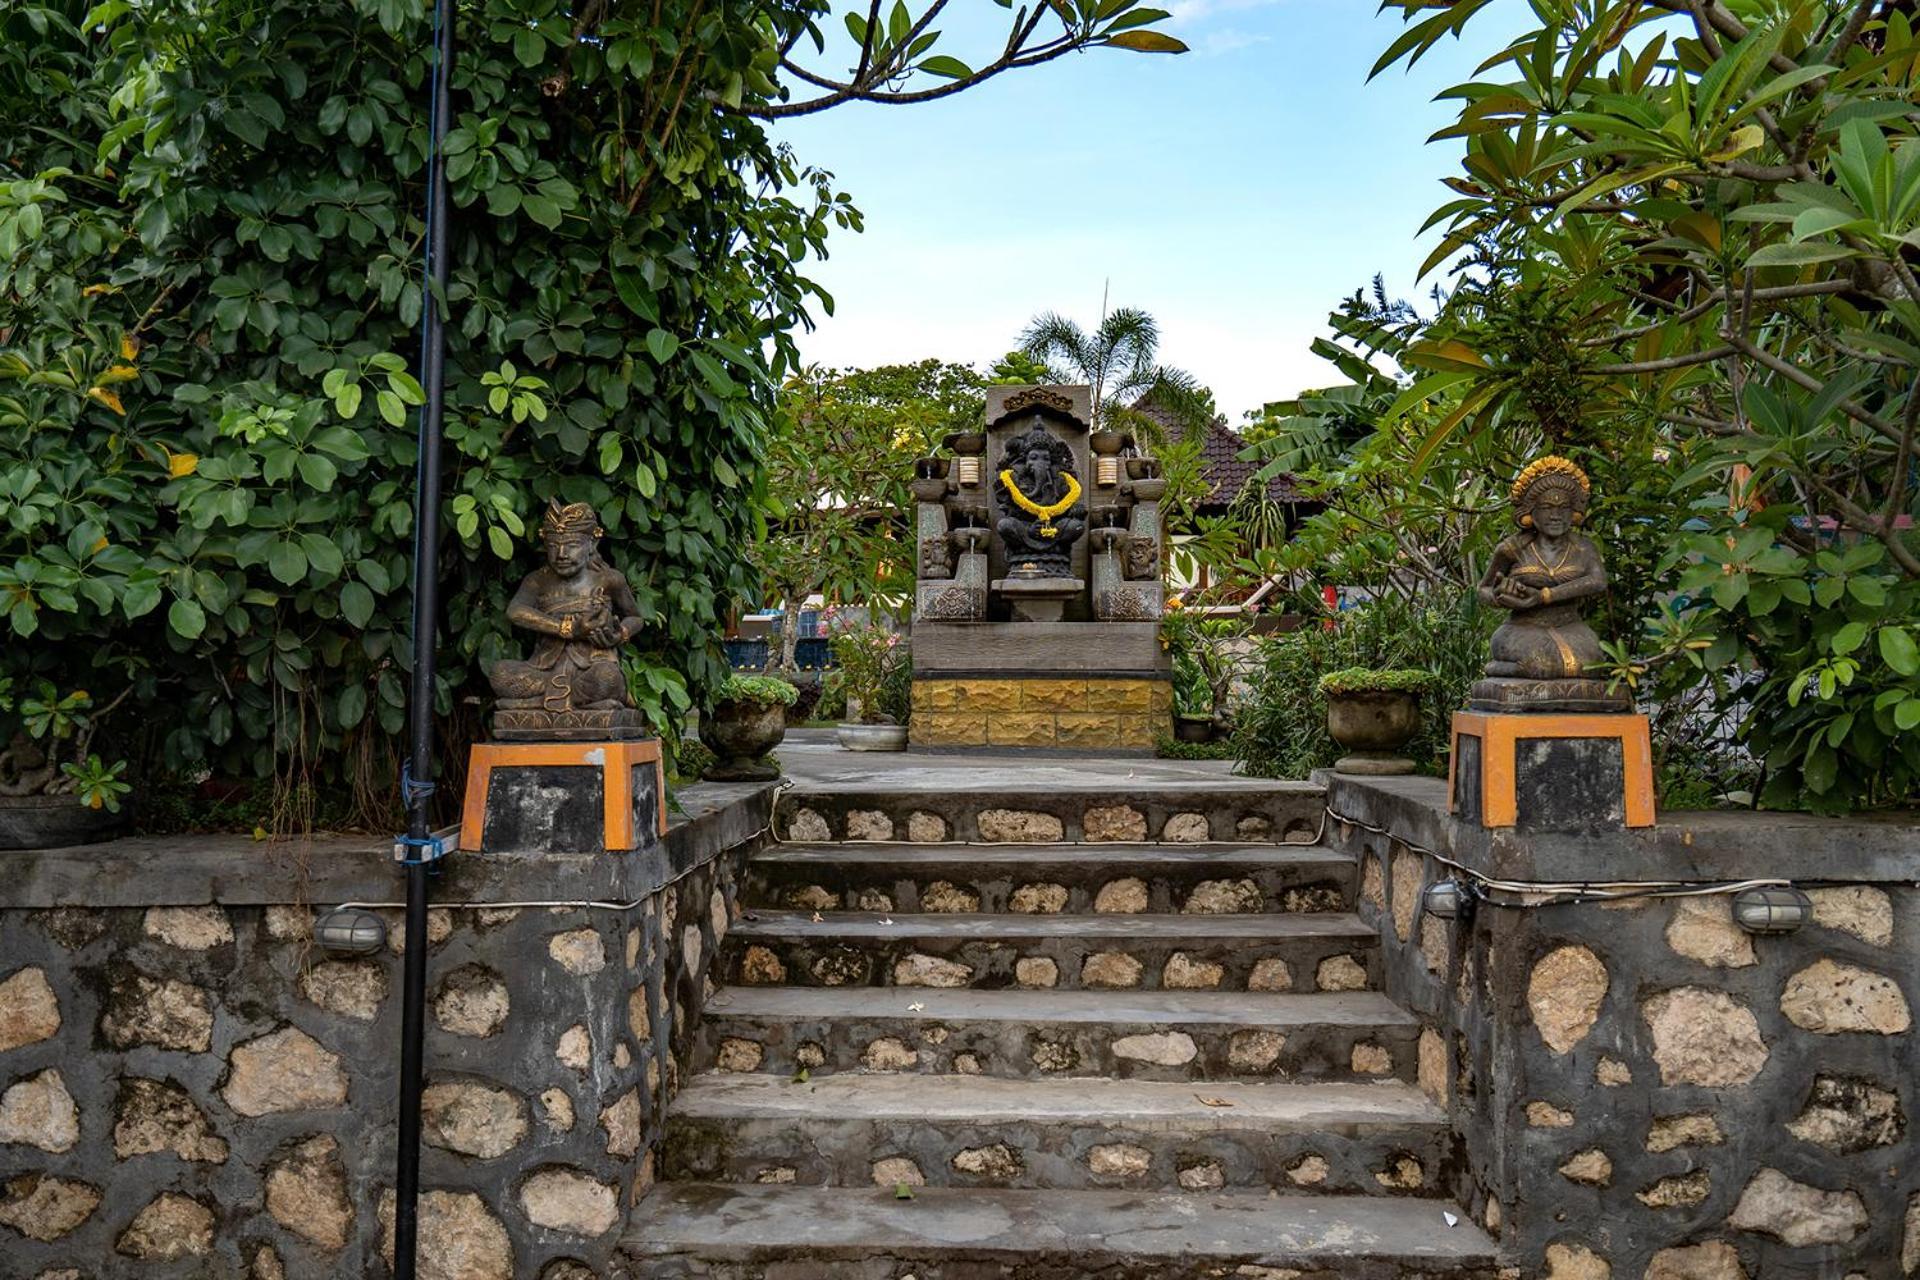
(426, 611)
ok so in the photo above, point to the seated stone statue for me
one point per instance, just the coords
(1543, 657)
(583, 611)
(1040, 499)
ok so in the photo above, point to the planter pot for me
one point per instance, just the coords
(872, 737)
(740, 733)
(53, 822)
(1194, 729)
(1374, 725)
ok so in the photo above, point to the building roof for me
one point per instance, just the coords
(1220, 460)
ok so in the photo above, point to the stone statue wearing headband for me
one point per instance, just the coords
(1544, 656)
(583, 611)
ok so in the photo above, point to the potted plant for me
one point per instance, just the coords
(748, 719)
(873, 663)
(1374, 714)
(54, 789)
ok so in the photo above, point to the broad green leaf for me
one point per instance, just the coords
(187, 619)
(1146, 42)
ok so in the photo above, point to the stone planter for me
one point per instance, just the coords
(1193, 729)
(741, 733)
(53, 822)
(1374, 725)
(872, 737)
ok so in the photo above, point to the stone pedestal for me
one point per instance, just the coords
(1551, 772)
(563, 797)
(1039, 599)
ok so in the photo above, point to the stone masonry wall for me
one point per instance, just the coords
(1644, 1089)
(1081, 713)
(194, 1089)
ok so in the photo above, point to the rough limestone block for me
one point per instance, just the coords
(1563, 993)
(1053, 695)
(29, 1011)
(1089, 729)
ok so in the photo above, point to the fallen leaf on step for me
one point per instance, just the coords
(886, 919)
(915, 1007)
(902, 1192)
(1205, 1101)
(818, 918)
(800, 1076)
(1451, 1220)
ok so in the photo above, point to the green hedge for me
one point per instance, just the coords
(210, 243)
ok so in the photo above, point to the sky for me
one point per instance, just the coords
(1236, 192)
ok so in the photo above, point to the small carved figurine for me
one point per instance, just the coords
(1041, 499)
(583, 611)
(1543, 656)
(1140, 559)
(936, 557)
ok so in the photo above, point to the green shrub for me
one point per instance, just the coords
(831, 705)
(1174, 749)
(1280, 731)
(763, 689)
(691, 759)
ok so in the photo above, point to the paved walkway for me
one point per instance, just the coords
(813, 759)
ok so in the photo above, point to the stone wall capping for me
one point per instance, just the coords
(1703, 845)
(237, 870)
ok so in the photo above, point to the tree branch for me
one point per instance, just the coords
(1669, 362)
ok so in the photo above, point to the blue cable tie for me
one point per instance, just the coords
(414, 791)
(436, 848)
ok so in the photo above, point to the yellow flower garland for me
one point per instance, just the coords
(1044, 513)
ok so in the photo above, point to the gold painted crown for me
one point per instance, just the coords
(574, 520)
(1552, 465)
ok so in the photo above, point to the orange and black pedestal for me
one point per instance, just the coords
(1548, 772)
(563, 797)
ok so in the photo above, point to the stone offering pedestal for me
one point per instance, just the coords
(1039, 599)
(563, 797)
(1547, 772)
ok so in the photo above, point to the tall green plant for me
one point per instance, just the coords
(210, 244)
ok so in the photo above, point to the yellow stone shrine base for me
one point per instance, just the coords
(1079, 712)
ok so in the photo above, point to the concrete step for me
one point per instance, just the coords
(862, 1130)
(1152, 1035)
(732, 1232)
(1048, 879)
(1018, 799)
(1273, 952)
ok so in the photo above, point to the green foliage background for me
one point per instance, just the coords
(210, 243)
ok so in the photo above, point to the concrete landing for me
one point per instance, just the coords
(1167, 1236)
(815, 762)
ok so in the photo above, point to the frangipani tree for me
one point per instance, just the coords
(1686, 234)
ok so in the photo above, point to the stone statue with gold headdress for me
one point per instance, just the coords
(582, 609)
(1545, 655)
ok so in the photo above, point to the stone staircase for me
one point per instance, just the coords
(950, 1060)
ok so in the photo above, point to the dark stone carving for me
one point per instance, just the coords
(936, 557)
(571, 689)
(1542, 656)
(1140, 558)
(1038, 398)
(956, 604)
(1040, 468)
